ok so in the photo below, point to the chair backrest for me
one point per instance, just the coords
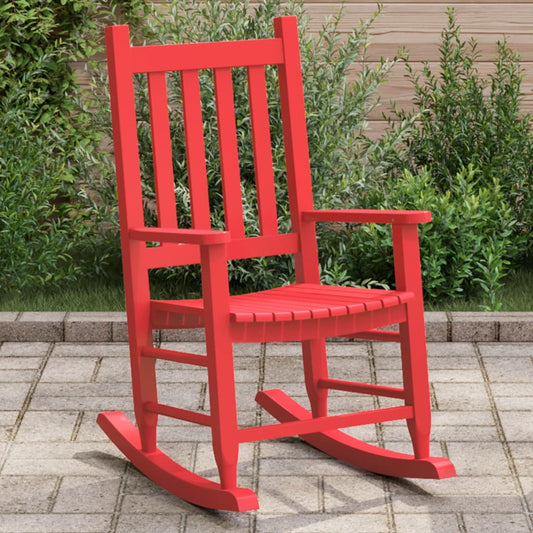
(188, 59)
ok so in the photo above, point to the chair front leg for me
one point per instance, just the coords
(143, 371)
(413, 337)
(221, 376)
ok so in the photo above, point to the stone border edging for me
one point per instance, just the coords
(111, 327)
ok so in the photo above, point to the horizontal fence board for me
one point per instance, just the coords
(417, 25)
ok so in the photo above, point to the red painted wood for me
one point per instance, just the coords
(413, 336)
(194, 145)
(162, 151)
(221, 375)
(158, 257)
(178, 235)
(181, 414)
(136, 282)
(378, 216)
(305, 311)
(307, 329)
(170, 475)
(354, 451)
(296, 149)
(264, 172)
(300, 302)
(174, 356)
(323, 423)
(193, 56)
(361, 388)
(229, 155)
(375, 335)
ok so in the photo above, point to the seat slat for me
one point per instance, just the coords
(315, 288)
(162, 151)
(353, 303)
(229, 154)
(281, 307)
(268, 307)
(262, 147)
(366, 296)
(325, 293)
(195, 149)
(359, 304)
(335, 308)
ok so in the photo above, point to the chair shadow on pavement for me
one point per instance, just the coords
(340, 504)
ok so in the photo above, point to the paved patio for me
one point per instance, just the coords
(58, 472)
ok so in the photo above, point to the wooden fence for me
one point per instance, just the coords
(417, 26)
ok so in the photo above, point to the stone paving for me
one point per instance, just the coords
(59, 473)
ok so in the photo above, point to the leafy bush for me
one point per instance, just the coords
(38, 41)
(37, 232)
(464, 118)
(463, 249)
(469, 160)
(343, 160)
(45, 143)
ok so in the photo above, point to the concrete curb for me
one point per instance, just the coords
(111, 327)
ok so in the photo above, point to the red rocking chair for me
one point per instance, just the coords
(306, 311)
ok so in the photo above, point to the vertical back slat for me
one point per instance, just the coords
(195, 149)
(162, 151)
(229, 153)
(262, 147)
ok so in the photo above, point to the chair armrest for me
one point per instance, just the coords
(179, 236)
(379, 216)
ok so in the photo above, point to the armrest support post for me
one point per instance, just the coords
(407, 269)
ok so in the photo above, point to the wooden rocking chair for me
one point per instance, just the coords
(305, 311)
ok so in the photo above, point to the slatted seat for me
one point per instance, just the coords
(306, 311)
(301, 301)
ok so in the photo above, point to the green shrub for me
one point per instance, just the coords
(46, 144)
(36, 236)
(464, 118)
(38, 40)
(463, 249)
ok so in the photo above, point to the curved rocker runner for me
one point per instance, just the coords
(305, 311)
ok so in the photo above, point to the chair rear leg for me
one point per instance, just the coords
(316, 368)
(416, 384)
